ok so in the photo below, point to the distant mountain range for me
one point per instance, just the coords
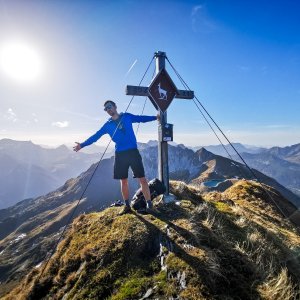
(29, 170)
(283, 164)
(219, 149)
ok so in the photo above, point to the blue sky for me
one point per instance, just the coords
(242, 59)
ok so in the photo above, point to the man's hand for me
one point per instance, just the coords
(77, 147)
(158, 117)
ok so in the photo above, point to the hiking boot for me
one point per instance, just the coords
(125, 210)
(150, 208)
(149, 204)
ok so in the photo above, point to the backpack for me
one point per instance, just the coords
(156, 188)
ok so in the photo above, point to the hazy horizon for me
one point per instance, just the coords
(103, 145)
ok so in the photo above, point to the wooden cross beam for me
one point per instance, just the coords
(143, 91)
(161, 93)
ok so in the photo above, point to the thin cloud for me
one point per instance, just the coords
(35, 119)
(131, 68)
(10, 115)
(195, 9)
(62, 124)
(201, 22)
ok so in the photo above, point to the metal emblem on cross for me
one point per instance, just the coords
(161, 93)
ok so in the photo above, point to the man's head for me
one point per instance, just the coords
(110, 107)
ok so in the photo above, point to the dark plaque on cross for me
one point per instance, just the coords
(161, 92)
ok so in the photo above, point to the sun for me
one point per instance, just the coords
(20, 61)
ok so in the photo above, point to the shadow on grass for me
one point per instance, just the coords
(236, 277)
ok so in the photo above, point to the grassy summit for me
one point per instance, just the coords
(230, 245)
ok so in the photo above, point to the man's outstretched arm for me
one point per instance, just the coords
(92, 139)
(143, 119)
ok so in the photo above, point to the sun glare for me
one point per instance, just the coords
(20, 62)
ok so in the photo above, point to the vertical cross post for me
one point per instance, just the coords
(163, 164)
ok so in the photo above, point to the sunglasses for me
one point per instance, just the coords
(107, 107)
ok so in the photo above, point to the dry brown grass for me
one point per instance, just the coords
(280, 287)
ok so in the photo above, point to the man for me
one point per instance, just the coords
(119, 127)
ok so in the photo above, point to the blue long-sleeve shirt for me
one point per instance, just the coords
(124, 136)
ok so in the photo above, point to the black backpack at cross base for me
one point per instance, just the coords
(156, 188)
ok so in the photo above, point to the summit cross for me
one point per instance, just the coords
(161, 92)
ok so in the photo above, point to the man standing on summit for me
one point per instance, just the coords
(119, 127)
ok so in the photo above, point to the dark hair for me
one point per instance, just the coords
(109, 101)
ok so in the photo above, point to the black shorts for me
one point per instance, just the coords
(124, 160)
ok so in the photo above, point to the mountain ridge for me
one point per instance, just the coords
(232, 244)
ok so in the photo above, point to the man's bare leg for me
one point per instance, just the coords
(125, 195)
(124, 189)
(146, 191)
